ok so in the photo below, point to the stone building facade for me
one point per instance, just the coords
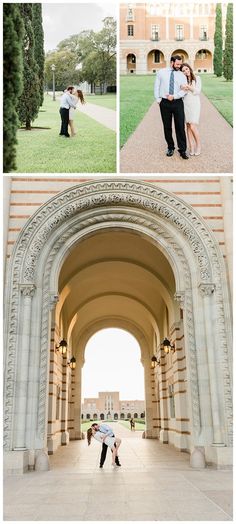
(109, 406)
(151, 256)
(151, 33)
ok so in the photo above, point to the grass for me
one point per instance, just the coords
(220, 93)
(136, 96)
(108, 100)
(138, 426)
(92, 150)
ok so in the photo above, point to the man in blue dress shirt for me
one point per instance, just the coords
(66, 103)
(104, 428)
(169, 96)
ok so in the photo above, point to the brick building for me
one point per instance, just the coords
(151, 33)
(109, 406)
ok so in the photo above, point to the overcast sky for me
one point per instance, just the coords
(63, 20)
(112, 363)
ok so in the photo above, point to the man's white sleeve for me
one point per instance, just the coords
(157, 88)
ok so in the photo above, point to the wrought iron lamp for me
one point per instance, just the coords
(72, 363)
(62, 347)
(167, 346)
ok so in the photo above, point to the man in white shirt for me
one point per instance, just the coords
(169, 96)
(66, 103)
(104, 428)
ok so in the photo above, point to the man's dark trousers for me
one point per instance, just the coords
(170, 109)
(104, 454)
(64, 121)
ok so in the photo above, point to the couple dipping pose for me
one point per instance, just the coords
(104, 434)
(69, 101)
(177, 92)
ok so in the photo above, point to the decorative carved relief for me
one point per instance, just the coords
(180, 297)
(207, 290)
(116, 198)
(27, 290)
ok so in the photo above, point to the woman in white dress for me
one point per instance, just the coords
(76, 96)
(192, 107)
(109, 441)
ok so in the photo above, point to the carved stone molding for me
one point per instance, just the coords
(180, 297)
(27, 290)
(52, 301)
(122, 202)
(207, 289)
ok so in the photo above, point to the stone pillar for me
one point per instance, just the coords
(77, 399)
(64, 410)
(163, 403)
(19, 438)
(52, 439)
(207, 291)
(149, 398)
(227, 201)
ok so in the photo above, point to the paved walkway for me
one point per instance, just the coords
(144, 152)
(155, 482)
(103, 115)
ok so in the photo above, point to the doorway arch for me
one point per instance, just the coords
(32, 294)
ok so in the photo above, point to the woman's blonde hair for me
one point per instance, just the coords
(89, 435)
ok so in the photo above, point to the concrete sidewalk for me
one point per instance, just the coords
(155, 482)
(103, 115)
(144, 152)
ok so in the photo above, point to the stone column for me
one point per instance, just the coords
(27, 292)
(64, 410)
(77, 399)
(52, 440)
(227, 201)
(148, 396)
(207, 292)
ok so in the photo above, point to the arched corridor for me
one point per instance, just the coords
(128, 255)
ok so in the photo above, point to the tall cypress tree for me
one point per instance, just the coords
(13, 32)
(39, 46)
(29, 101)
(228, 53)
(218, 42)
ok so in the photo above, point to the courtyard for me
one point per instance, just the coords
(155, 482)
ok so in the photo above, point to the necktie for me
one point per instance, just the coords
(171, 84)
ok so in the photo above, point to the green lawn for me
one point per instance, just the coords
(92, 150)
(136, 96)
(220, 93)
(108, 100)
(138, 425)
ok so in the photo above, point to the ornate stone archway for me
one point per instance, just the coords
(201, 286)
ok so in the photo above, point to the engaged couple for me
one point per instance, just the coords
(104, 434)
(69, 101)
(177, 92)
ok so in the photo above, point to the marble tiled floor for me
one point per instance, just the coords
(154, 483)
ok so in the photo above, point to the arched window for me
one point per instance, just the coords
(136, 415)
(88, 416)
(102, 416)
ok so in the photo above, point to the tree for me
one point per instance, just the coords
(228, 53)
(13, 32)
(29, 101)
(39, 46)
(98, 52)
(65, 69)
(218, 42)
